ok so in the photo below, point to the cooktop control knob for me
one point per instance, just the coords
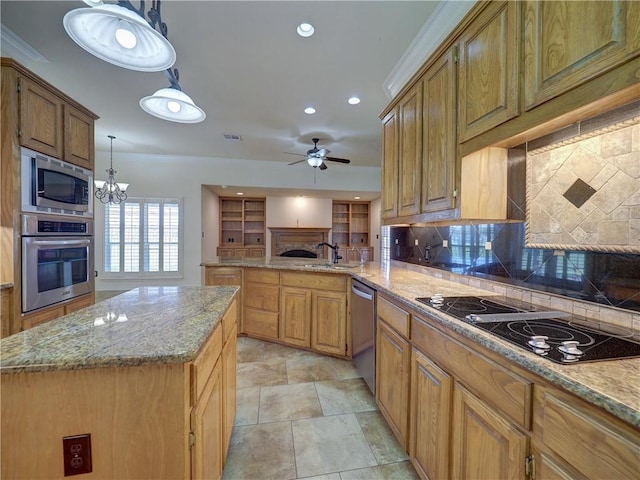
(539, 342)
(437, 299)
(472, 317)
(570, 351)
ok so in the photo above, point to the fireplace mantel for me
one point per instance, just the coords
(304, 238)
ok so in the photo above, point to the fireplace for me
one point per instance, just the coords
(294, 241)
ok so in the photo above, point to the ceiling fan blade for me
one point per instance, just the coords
(297, 161)
(297, 154)
(323, 152)
(323, 166)
(339, 160)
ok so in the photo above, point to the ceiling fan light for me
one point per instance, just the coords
(314, 161)
(173, 105)
(94, 29)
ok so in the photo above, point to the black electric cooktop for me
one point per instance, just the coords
(555, 335)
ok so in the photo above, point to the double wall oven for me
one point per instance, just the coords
(56, 231)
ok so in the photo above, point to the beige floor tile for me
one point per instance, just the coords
(250, 350)
(345, 396)
(330, 476)
(317, 369)
(392, 471)
(330, 444)
(289, 402)
(258, 374)
(261, 452)
(247, 406)
(275, 350)
(383, 442)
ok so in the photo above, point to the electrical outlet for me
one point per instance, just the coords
(487, 245)
(396, 241)
(445, 243)
(416, 243)
(77, 454)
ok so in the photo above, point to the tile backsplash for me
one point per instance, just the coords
(587, 283)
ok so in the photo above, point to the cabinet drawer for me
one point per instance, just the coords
(262, 276)
(586, 439)
(229, 320)
(498, 386)
(393, 315)
(315, 281)
(203, 365)
(263, 324)
(262, 297)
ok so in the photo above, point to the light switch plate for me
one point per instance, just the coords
(445, 243)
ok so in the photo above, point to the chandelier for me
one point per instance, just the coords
(110, 191)
(119, 34)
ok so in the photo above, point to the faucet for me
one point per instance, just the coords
(336, 257)
(427, 253)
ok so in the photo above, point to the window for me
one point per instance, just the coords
(143, 238)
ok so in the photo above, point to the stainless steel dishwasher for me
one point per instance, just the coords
(363, 331)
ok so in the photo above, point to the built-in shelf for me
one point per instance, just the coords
(242, 227)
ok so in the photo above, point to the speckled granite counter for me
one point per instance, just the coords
(613, 385)
(144, 325)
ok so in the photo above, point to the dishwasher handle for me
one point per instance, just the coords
(360, 293)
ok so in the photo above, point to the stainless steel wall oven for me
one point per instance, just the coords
(57, 259)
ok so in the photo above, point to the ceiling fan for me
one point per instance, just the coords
(316, 157)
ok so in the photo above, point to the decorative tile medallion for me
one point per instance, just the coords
(583, 193)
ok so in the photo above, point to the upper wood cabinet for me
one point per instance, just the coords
(389, 206)
(488, 70)
(439, 134)
(41, 119)
(568, 43)
(54, 127)
(410, 148)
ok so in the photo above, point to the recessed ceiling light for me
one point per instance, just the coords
(309, 110)
(239, 193)
(305, 29)
(353, 101)
(356, 198)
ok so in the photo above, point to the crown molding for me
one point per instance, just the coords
(15, 47)
(444, 19)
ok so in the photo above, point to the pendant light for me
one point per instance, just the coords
(120, 35)
(172, 104)
(110, 191)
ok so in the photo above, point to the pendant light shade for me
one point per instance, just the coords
(119, 36)
(173, 105)
(314, 161)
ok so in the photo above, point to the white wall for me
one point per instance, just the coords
(183, 177)
(210, 219)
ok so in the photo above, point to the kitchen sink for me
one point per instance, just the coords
(329, 265)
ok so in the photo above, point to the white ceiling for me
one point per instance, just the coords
(244, 64)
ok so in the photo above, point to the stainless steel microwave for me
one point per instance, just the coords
(55, 187)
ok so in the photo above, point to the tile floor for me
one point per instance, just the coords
(304, 415)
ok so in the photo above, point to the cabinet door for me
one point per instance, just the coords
(393, 357)
(389, 207)
(206, 425)
(41, 121)
(78, 138)
(410, 164)
(329, 322)
(431, 396)
(568, 43)
(229, 385)
(489, 69)
(295, 324)
(484, 445)
(439, 135)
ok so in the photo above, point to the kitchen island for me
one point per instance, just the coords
(450, 390)
(141, 372)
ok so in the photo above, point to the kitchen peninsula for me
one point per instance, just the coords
(449, 389)
(149, 374)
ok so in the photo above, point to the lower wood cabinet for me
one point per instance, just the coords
(430, 418)
(329, 322)
(50, 313)
(6, 307)
(393, 356)
(484, 444)
(261, 303)
(295, 318)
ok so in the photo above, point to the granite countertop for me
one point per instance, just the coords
(612, 385)
(143, 325)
